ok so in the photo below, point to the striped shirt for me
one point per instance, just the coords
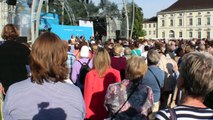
(184, 112)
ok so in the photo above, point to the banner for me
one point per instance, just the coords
(65, 31)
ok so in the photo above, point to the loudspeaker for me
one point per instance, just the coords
(21, 39)
(11, 2)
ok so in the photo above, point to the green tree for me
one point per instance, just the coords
(109, 8)
(79, 9)
(92, 9)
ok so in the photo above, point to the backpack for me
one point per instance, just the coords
(83, 71)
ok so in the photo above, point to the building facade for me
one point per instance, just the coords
(150, 26)
(186, 19)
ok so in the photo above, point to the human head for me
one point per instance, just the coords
(146, 48)
(10, 32)
(48, 59)
(94, 47)
(101, 61)
(127, 51)
(118, 49)
(189, 48)
(171, 46)
(84, 52)
(160, 47)
(196, 73)
(202, 47)
(153, 57)
(136, 67)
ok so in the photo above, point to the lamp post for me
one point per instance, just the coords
(62, 12)
(127, 19)
(47, 6)
(35, 18)
(133, 18)
(38, 17)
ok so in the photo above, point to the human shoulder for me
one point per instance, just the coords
(68, 88)
(125, 82)
(162, 115)
(118, 88)
(20, 86)
(23, 82)
(113, 70)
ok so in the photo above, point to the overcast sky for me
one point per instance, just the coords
(150, 7)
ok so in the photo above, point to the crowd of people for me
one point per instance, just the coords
(113, 80)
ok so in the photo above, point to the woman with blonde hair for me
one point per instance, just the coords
(45, 95)
(117, 61)
(96, 83)
(130, 100)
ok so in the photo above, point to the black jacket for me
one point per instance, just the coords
(13, 61)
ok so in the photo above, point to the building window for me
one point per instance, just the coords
(180, 14)
(208, 35)
(199, 13)
(180, 34)
(199, 35)
(190, 21)
(180, 22)
(190, 34)
(171, 23)
(145, 25)
(149, 25)
(208, 12)
(208, 21)
(150, 32)
(154, 32)
(163, 23)
(163, 34)
(171, 34)
(199, 21)
(190, 13)
(171, 15)
(154, 25)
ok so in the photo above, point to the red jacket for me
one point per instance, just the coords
(95, 88)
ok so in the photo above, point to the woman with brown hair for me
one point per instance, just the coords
(45, 95)
(96, 83)
(13, 58)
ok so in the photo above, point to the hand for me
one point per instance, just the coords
(2, 89)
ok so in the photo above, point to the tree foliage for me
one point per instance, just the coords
(79, 10)
(109, 8)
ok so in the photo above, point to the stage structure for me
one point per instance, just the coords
(36, 11)
(26, 14)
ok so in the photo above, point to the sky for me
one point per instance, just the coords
(150, 7)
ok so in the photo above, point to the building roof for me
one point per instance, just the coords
(189, 5)
(151, 20)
